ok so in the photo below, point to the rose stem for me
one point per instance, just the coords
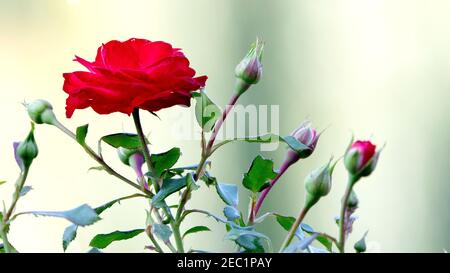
(263, 195)
(173, 224)
(206, 153)
(97, 158)
(294, 228)
(348, 190)
(19, 185)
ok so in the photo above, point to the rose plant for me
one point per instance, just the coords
(140, 75)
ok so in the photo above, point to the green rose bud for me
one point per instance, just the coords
(360, 246)
(318, 183)
(249, 70)
(26, 150)
(353, 201)
(41, 111)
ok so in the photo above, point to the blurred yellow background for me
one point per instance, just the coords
(379, 69)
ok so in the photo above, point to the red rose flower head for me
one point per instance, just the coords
(136, 73)
(361, 158)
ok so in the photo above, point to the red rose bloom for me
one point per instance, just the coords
(136, 73)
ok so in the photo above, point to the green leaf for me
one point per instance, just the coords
(195, 229)
(103, 240)
(163, 232)
(236, 234)
(2, 182)
(250, 243)
(94, 250)
(231, 213)
(291, 141)
(285, 221)
(81, 134)
(25, 190)
(228, 193)
(206, 112)
(168, 187)
(69, 235)
(83, 215)
(260, 173)
(325, 241)
(70, 232)
(300, 245)
(190, 182)
(124, 140)
(208, 179)
(162, 162)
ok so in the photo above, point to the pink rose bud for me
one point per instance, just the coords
(361, 158)
(307, 136)
(134, 159)
(249, 70)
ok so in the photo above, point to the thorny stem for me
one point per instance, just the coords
(173, 224)
(351, 181)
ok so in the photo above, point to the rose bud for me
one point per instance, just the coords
(134, 159)
(26, 151)
(361, 158)
(318, 183)
(361, 246)
(249, 70)
(307, 136)
(41, 111)
(353, 201)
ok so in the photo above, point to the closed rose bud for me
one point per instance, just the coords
(353, 201)
(26, 151)
(307, 136)
(360, 246)
(360, 159)
(134, 159)
(318, 183)
(41, 111)
(249, 70)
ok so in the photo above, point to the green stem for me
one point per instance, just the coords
(154, 241)
(98, 158)
(173, 224)
(348, 190)
(6, 218)
(294, 228)
(19, 186)
(146, 151)
(4, 236)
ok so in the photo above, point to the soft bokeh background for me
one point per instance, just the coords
(377, 68)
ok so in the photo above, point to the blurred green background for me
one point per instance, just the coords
(379, 69)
